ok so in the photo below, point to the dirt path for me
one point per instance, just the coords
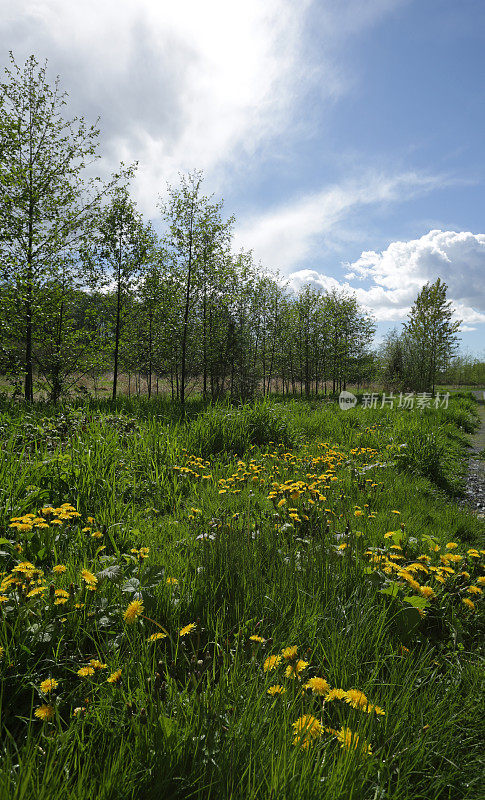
(475, 489)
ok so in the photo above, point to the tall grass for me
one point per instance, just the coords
(191, 716)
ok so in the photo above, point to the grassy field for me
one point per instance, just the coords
(281, 600)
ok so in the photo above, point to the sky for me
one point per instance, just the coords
(345, 136)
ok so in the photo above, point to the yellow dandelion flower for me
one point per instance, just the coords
(97, 664)
(336, 694)
(133, 611)
(305, 729)
(276, 690)
(115, 677)
(156, 636)
(188, 629)
(45, 713)
(271, 663)
(59, 568)
(451, 546)
(474, 590)
(318, 686)
(256, 639)
(88, 577)
(293, 670)
(350, 741)
(49, 685)
(171, 582)
(85, 672)
(426, 591)
(356, 699)
(469, 603)
(481, 580)
(289, 653)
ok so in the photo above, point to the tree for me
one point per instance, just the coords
(196, 234)
(45, 205)
(117, 253)
(430, 335)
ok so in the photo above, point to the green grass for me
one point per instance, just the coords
(191, 716)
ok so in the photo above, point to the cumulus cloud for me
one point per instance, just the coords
(397, 274)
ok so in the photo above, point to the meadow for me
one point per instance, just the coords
(277, 600)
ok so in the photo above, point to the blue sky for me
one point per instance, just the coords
(346, 137)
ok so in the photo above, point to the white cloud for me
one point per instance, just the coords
(187, 84)
(398, 273)
(289, 234)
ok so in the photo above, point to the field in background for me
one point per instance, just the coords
(276, 600)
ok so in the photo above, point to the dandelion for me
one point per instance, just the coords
(45, 712)
(469, 603)
(85, 672)
(305, 729)
(481, 580)
(426, 591)
(451, 546)
(256, 639)
(59, 568)
(97, 664)
(318, 686)
(48, 685)
(474, 590)
(289, 653)
(350, 740)
(89, 578)
(115, 677)
(336, 694)
(276, 690)
(172, 582)
(133, 611)
(271, 663)
(293, 670)
(156, 636)
(188, 629)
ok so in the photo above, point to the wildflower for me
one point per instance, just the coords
(97, 664)
(45, 712)
(49, 685)
(350, 740)
(256, 639)
(188, 629)
(293, 670)
(356, 699)
(289, 653)
(155, 636)
(451, 546)
(133, 611)
(469, 603)
(172, 582)
(474, 590)
(96, 535)
(426, 591)
(306, 728)
(481, 580)
(318, 686)
(85, 672)
(271, 663)
(276, 690)
(336, 694)
(89, 578)
(115, 677)
(58, 569)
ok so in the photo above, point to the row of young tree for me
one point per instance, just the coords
(88, 287)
